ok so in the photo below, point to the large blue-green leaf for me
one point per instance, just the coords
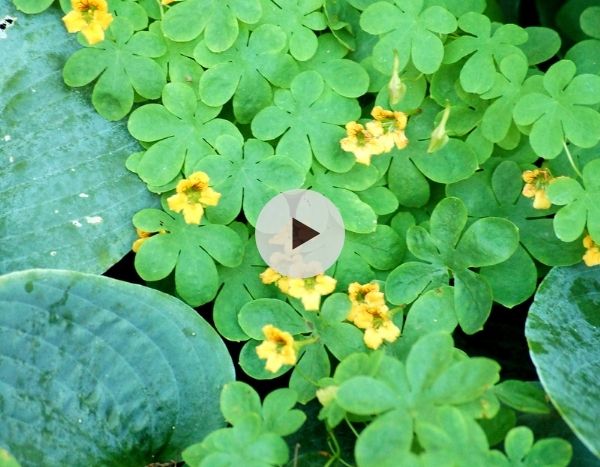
(94, 371)
(67, 198)
(563, 332)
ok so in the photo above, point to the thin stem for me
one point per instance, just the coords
(570, 157)
(351, 426)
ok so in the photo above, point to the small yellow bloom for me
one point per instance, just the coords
(310, 290)
(393, 123)
(270, 276)
(536, 182)
(592, 255)
(277, 349)
(363, 142)
(383, 329)
(368, 311)
(142, 237)
(439, 135)
(91, 17)
(192, 195)
(166, 2)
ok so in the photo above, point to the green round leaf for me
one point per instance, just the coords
(124, 375)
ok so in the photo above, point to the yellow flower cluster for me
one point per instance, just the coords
(377, 136)
(192, 195)
(91, 17)
(308, 290)
(369, 312)
(592, 255)
(277, 349)
(536, 182)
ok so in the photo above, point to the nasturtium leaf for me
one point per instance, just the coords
(218, 19)
(364, 253)
(364, 395)
(523, 396)
(189, 249)
(90, 343)
(497, 193)
(246, 175)
(410, 279)
(31, 7)
(258, 313)
(562, 112)
(345, 77)
(411, 28)
(279, 414)
(341, 189)
(497, 118)
(124, 64)
(472, 300)
(241, 285)
(312, 366)
(488, 241)
(590, 21)
(485, 49)
(583, 54)
(386, 442)
(183, 129)
(542, 44)
(298, 20)
(247, 71)
(309, 119)
(178, 61)
(581, 208)
(131, 11)
(563, 332)
(67, 198)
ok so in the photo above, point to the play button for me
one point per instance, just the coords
(300, 233)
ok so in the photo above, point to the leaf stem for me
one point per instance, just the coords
(570, 157)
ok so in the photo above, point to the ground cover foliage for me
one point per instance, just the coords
(460, 141)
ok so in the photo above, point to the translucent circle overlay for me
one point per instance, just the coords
(276, 229)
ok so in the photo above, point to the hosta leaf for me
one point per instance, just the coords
(124, 375)
(563, 334)
(67, 197)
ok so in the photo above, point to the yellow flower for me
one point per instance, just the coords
(393, 123)
(536, 182)
(192, 195)
(277, 349)
(310, 290)
(91, 17)
(142, 237)
(270, 276)
(439, 136)
(383, 329)
(363, 142)
(369, 312)
(592, 255)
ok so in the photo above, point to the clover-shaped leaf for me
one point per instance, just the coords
(341, 189)
(363, 254)
(445, 248)
(497, 118)
(412, 29)
(433, 376)
(308, 119)
(178, 61)
(497, 193)
(485, 48)
(298, 20)
(522, 451)
(581, 204)
(183, 128)
(190, 250)
(590, 21)
(344, 76)
(241, 285)
(562, 111)
(246, 71)
(124, 64)
(218, 19)
(247, 175)
(132, 12)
